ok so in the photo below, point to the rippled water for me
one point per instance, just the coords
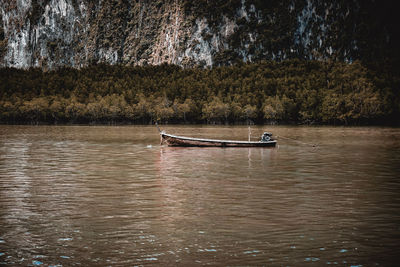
(97, 195)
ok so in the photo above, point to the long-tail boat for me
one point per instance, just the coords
(175, 140)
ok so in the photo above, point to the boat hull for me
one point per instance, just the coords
(173, 140)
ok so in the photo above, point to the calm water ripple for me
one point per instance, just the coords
(97, 195)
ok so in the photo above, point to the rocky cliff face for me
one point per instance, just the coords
(54, 33)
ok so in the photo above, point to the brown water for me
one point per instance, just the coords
(112, 196)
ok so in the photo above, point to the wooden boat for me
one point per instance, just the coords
(174, 140)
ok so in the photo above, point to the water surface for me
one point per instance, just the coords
(112, 196)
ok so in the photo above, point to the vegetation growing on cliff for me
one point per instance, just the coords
(292, 91)
(52, 34)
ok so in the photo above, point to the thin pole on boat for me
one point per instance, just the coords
(249, 133)
(158, 128)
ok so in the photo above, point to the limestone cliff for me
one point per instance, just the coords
(54, 33)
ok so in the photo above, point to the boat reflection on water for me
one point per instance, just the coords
(190, 178)
(189, 161)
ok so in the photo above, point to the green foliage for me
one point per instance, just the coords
(292, 91)
(216, 111)
(273, 108)
(3, 41)
(351, 96)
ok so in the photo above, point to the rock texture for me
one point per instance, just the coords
(55, 33)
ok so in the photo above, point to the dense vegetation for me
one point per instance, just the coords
(365, 30)
(192, 33)
(292, 91)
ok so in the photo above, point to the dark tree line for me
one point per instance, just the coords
(292, 91)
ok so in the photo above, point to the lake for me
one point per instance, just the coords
(112, 196)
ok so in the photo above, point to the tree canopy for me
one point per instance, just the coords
(292, 91)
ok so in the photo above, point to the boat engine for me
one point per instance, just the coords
(266, 137)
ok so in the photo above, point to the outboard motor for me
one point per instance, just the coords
(266, 137)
